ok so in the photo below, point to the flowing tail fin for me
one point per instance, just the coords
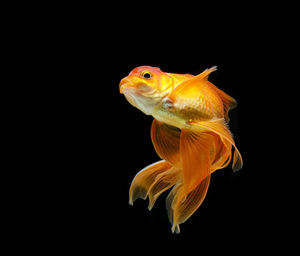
(203, 149)
(192, 154)
(160, 176)
(181, 206)
(198, 151)
(152, 181)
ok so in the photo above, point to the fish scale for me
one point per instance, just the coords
(196, 108)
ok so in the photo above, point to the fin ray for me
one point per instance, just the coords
(219, 127)
(220, 154)
(163, 182)
(143, 180)
(193, 80)
(165, 140)
(195, 156)
(181, 207)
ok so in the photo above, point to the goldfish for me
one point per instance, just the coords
(189, 133)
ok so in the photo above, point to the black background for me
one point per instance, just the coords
(97, 142)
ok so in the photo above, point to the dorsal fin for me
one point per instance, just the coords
(228, 101)
(193, 80)
(206, 73)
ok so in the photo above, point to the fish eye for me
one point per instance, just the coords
(146, 75)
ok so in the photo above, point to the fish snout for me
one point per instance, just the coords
(124, 82)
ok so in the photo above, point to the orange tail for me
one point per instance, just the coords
(182, 205)
(160, 176)
(152, 181)
(198, 151)
(203, 149)
(191, 154)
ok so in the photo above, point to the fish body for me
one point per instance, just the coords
(189, 132)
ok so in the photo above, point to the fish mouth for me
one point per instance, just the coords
(123, 84)
(122, 88)
(139, 95)
(126, 88)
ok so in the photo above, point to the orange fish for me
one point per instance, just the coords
(189, 133)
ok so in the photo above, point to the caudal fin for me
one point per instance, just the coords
(192, 155)
(152, 181)
(181, 206)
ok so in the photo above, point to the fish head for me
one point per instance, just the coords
(145, 87)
